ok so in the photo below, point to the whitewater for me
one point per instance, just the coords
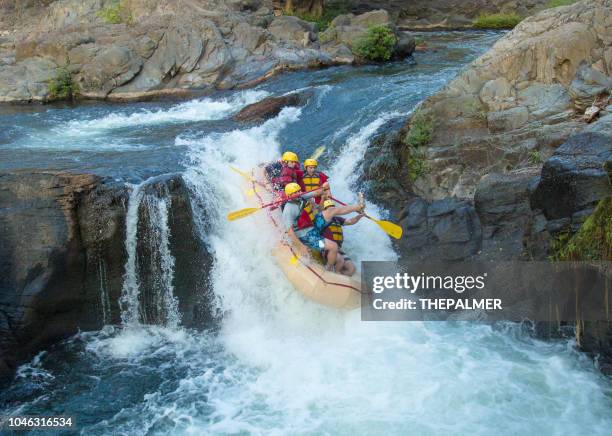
(277, 363)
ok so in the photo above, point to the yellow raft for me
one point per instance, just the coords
(307, 275)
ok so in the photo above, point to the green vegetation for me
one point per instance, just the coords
(421, 129)
(417, 166)
(497, 21)
(115, 13)
(535, 157)
(592, 242)
(419, 135)
(377, 44)
(330, 11)
(62, 87)
(557, 3)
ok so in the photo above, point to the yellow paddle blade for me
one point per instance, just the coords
(236, 215)
(390, 228)
(318, 152)
(293, 260)
(242, 173)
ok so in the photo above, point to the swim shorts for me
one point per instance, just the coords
(313, 240)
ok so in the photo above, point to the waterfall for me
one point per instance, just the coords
(104, 297)
(147, 295)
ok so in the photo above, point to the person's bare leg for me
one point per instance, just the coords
(332, 252)
(348, 268)
(339, 263)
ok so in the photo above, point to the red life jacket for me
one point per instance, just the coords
(306, 218)
(282, 175)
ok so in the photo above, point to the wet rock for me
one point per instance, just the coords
(168, 195)
(61, 251)
(63, 257)
(270, 107)
(575, 177)
(441, 230)
(406, 44)
(502, 204)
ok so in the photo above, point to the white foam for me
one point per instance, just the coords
(194, 110)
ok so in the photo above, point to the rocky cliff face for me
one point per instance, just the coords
(63, 257)
(504, 164)
(134, 49)
(520, 100)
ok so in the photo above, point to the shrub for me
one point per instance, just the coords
(115, 13)
(419, 135)
(535, 157)
(62, 87)
(417, 166)
(377, 44)
(497, 21)
(421, 128)
(557, 3)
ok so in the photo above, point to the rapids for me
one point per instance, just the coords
(277, 364)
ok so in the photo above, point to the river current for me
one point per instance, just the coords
(275, 363)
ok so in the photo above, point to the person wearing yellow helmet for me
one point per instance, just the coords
(284, 171)
(298, 218)
(314, 239)
(334, 232)
(313, 178)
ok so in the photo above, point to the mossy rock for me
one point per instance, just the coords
(592, 242)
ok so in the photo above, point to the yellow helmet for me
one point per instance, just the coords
(310, 163)
(290, 156)
(292, 188)
(328, 203)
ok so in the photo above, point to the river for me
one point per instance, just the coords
(276, 364)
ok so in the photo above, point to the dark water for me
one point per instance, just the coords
(277, 364)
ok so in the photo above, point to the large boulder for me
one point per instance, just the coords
(270, 107)
(289, 28)
(63, 257)
(347, 30)
(577, 176)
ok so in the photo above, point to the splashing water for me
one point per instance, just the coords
(279, 364)
(158, 304)
(194, 110)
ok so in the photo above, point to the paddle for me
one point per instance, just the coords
(238, 214)
(390, 228)
(318, 152)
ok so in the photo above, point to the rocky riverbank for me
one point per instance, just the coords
(445, 14)
(63, 257)
(137, 49)
(502, 163)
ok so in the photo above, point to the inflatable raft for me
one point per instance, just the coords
(307, 276)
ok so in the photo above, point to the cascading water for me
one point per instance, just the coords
(157, 303)
(129, 301)
(105, 304)
(277, 363)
